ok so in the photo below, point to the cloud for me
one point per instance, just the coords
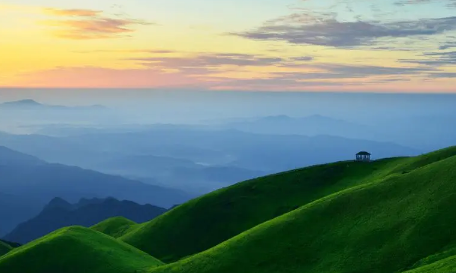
(443, 75)
(434, 59)
(210, 66)
(303, 59)
(327, 31)
(448, 3)
(447, 45)
(325, 76)
(206, 63)
(90, 24)
(355, 71)
(370, 73)
(151, 51)
(98, 77)
(72, 12)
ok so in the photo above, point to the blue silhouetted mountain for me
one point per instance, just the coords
(34, 105)
(28, 183)
(60, 213)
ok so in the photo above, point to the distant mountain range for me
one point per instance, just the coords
(309, 126)
(87, 212)
(27, 183)
(196, 160)
(26, 116)
(15, 209)
(29, 104)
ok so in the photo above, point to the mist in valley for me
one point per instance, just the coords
(166, 147)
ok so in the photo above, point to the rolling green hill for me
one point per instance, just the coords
(446, 265)
(4, 248)
(115, 227)
(76, 250)
(214, 218)
(387, 225)
(391, 215)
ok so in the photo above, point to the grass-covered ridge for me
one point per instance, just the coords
(387, 225)
(76, 250)
(115, 227)
(4, 248)
(207, 221)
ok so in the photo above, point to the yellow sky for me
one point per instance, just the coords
(86, 46)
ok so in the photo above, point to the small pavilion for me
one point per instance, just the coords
(363, 156)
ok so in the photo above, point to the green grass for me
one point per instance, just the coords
(115, 227)
(387, 225)
(205, 222)
(76, 250)
(4, 248)
(435, 260)
(446, 265)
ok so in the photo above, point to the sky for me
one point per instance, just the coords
(259, 45)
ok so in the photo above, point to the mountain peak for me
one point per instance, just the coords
(277, 118)
(24, 102)
(58, 202)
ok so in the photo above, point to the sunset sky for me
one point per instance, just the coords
(312, 45)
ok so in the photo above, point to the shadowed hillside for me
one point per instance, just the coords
(4, 248)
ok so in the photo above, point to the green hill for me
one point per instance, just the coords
(382, 225)
(446, 265)
(115, 227)
(205, 222)
(4, 248)
(76, 250)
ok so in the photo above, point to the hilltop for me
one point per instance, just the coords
(115, 227)
(76, 250)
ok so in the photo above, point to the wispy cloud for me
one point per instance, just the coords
(447, 45)
(448, 3)
(209, 60)
(328, 31)
(90, 24)
(301, 68)
(151, 51)
(72, 12)
(434, 59)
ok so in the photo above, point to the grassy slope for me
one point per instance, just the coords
(207, 221)
(384, 226)
(75, 250)
(4, 248)
(214, 218)
(443, 261)
(115, 227)
(447, 265)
